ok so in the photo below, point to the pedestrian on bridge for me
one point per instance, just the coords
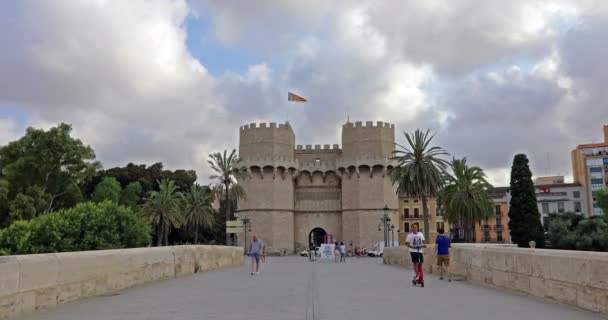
(415, 241)
(442, 251)
(342, 252)
(255, 249)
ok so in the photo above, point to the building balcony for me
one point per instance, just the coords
(498, 227)
(486, 227)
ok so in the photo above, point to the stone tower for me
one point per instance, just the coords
(296, 195)
(267, 151)
(366, 187)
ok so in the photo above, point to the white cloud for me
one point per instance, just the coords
(8, 131)
(494, 77)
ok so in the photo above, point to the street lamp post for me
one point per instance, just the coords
(398, 236)
(392, 234)
(385, 223)
(246, 223)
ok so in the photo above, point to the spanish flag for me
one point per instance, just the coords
(294, 97)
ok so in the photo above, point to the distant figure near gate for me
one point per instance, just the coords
(255, 249)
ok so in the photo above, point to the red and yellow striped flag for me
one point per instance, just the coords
(294, 97)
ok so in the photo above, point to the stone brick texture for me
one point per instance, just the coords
(576, 278)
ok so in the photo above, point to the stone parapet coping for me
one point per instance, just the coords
(577, 278)
(33, 282)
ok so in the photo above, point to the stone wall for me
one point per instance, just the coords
(33, 282)
(577, 278)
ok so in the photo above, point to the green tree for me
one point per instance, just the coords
(602, 201)
(571, 231)
(51, 159)
(147, 176)
(197, 209)
(107, 189)
(4, 201)
(227, 174)
(524, 218)
(465, 199)
(131, 195)
(163, 210)
(86, 226)
(419, 171)
(30, 204)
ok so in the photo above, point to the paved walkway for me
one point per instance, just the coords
(293, 288)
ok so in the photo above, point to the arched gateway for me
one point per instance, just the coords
(316, 236)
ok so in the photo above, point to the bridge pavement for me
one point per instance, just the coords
(294, 288)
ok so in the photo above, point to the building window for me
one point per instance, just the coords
(577, 206)
(595, 169)
(497, 210)
(576, 194)
(416, 213)
(406, 213)
(415, 200)
(498, 222)
(545, 207)
(406, 201)
(406, 227)
(597, 181)
(438, 212)
(499, 236)
(560, 206)
(440, 226)
(486, 236)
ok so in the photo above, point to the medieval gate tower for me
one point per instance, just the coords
(296, 194)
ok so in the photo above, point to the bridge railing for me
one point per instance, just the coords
(32, 282)
(577, 278)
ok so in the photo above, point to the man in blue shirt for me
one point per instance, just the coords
(442, 250)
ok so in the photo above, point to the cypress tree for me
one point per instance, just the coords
(524, 218)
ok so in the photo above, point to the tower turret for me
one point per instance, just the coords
(267, 151)
(366, 184)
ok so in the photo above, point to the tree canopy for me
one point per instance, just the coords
(524, 218)
(602, 201)
(420, 169)
(51, 159)
(465, 199)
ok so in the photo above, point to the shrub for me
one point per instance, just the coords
(573, 232)
(87, 226)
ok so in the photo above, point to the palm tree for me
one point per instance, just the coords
(228, 172)
(197, 209)
(465, 198)
(162, 208)
(419, 171)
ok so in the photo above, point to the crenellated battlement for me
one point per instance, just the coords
(368, 124)
(317, 147)
(264, 125)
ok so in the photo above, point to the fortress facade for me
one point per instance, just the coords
(297, 194)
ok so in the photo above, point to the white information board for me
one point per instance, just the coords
(327, 251)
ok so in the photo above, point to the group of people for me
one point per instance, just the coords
(415, 241)
(340, 252)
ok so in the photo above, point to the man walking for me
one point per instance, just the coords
(342, 252)
(415, 241)
(255, 248)
(442, 251)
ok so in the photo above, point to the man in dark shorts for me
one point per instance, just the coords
(255, 249)
(415, 241)
(442, 251)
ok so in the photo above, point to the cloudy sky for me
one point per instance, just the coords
(171, 81)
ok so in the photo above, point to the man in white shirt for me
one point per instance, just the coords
(415, 241)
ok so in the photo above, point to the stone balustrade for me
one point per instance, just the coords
(577, 278)
(32, 282)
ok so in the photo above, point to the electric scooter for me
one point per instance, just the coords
(420, 279)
